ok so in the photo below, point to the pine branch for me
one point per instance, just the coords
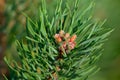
(65, 47)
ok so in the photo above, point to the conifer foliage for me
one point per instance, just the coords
(64, 46)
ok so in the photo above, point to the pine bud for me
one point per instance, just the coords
(61, 33)
(72, 39)
(72, 45)
(67, 35)
(57, 38)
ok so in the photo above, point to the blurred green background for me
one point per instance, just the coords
(110, 60)
(12, 23)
